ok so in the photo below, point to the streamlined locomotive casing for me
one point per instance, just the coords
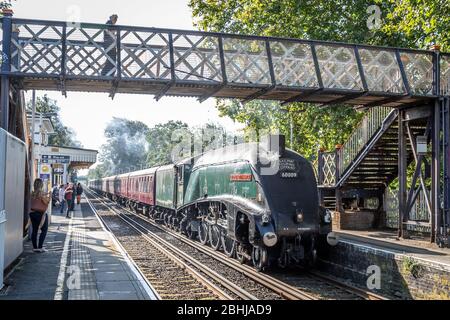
(264, 202)
(276, 196)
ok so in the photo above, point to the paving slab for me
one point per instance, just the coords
(83, 262)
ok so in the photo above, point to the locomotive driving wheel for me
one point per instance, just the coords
(241, 254)
(215, 237)
(228, 245)
(259, 258)
(203, 232)
(192, 234)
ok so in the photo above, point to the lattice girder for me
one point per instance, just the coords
(221, 65)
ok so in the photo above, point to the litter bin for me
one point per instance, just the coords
(2, 245)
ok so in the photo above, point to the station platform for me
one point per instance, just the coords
(404, 268)
(419, 248)
(83, 262)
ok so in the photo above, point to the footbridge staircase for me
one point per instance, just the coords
(384, 147)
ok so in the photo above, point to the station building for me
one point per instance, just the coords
(56, 164)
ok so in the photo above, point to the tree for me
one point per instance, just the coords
(64, 136)
(420, 23)
(98, 172)
(126, 147)
(162, 140)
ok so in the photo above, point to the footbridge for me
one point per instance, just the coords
(405, 91)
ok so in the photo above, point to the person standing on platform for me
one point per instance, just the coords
(38, 215)
(110, 47)
(62, 201)
(68, 196)
(79, 192)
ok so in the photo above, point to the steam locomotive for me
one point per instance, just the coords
(258, 203)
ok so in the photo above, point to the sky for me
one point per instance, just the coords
(89, 113)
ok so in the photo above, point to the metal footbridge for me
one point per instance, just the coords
(56, 55)
(405, 91)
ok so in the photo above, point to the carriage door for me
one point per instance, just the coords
(180, 185)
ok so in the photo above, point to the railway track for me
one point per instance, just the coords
(304, 286)
(170, 275)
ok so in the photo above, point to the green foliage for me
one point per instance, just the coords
(98, 172)
(412, 266)
(419, 23)
(160, 142)
(64, 136)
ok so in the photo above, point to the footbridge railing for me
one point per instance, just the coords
(96, 57)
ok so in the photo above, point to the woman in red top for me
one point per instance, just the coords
(68, 195)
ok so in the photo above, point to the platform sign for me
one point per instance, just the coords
(55, 159)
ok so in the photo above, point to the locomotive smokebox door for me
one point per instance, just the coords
(275, 143)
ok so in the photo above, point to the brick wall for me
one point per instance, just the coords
(402, 277)
(353, 220)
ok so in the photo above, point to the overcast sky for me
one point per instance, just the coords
(89, 113)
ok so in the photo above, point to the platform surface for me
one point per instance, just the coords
(387, 240)
(82, 262)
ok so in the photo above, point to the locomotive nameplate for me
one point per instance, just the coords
(288, 168)
(241, 177)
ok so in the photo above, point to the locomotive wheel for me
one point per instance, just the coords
(229, 246)
(191, 233)
(259, 258)
(241, 255)
(203, 232)
(215, 237)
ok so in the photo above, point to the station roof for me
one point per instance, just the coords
(79, 158)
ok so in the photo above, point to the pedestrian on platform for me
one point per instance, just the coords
(55, 196)
(79, 192)
(62, 201)
(68, 196)
(38, 214)
(110, 46)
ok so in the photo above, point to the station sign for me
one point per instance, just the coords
(55, 159)
(58, 170)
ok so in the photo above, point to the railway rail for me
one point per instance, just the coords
(307, 285)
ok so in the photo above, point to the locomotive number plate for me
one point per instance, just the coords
(289, 174)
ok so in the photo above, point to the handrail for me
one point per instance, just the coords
(368, 126)
(384, 125)
(333, 166)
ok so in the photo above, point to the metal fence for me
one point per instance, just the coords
(418, 211)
